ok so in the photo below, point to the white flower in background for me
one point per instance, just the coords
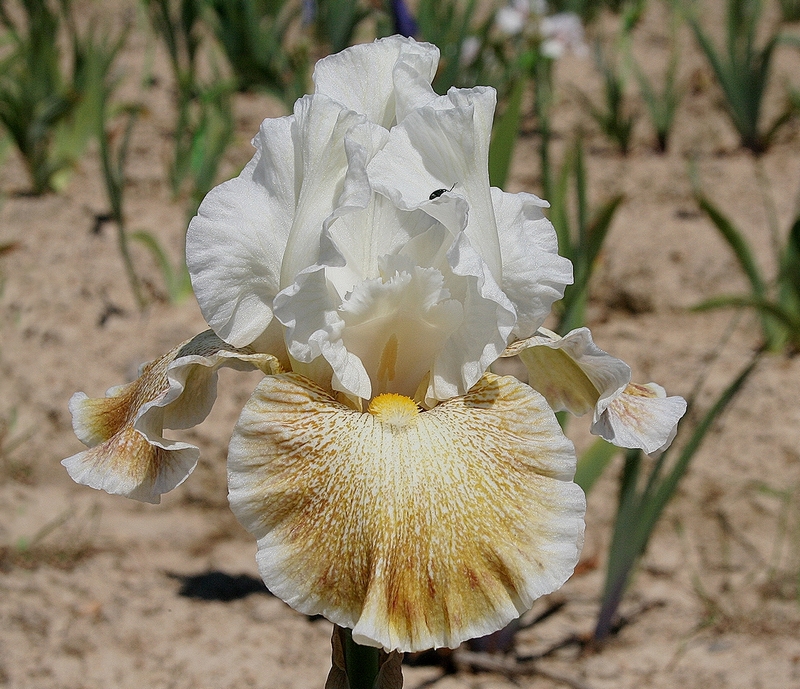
(562, 33)
(470, 49)
(394, 484)
(512, 18)
(558, 33)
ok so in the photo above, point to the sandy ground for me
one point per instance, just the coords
(100, 592)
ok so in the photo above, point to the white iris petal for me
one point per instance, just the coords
(378, 95)
(235, 243)
(398, 324)
(534, 275)
(488, 320)
(324, 178)
(436, 146)
(362, 245)
(415, 529)
(309, 309)
(574, 374)
(128, 453)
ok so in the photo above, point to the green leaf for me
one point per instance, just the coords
(736, 241)
(790, 263)
(593, 462)
(446, 24)
(743, 72)
(504, 135)
(177, 281)
(784, 324)
(639, 512)
(655, 505)
(600, 225)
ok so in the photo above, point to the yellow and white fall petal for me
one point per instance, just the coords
(128, 454)
(575, 375)
(642, 416)
(571, 372)
(416, 529)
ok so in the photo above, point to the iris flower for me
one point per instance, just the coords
(362, 261)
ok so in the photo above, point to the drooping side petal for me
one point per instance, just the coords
(342, 76)
(414, 529)
(128, 454)
(642, 416)
(534, 275)
(235, 243)
(576, 375)
(572, 372)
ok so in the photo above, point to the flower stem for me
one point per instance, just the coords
(362, 663)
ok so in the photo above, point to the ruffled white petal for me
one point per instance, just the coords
(415, 529)
(361, 239)
(398, 324)
(329, 174)
(309, 310)
(440, 144)
(534, 275)
(235, 244)
(412, 83)
(399, 297)
(488, 320)
(128, 454)
(362, 78)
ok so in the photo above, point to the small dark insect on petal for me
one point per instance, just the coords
(436, 194)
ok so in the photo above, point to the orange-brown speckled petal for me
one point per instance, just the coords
(416, 529)
(128, 454)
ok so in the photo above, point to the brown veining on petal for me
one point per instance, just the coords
(631, 410)
(640, 390)
(129, 453)
(414, 535)
(106, 416)
(388, 363)
(137, 461)
(99, 419)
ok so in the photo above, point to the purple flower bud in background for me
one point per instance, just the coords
(404, 23)
(309, 13)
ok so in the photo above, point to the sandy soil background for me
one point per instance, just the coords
(99, 592)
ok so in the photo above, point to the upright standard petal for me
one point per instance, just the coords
(362, 78)
(399, 297)
(416, 529)
(128, 454)
(328, 174)
(398, 324)
(576, 375)
(442, 144)
(235, 243)
(487, 324)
